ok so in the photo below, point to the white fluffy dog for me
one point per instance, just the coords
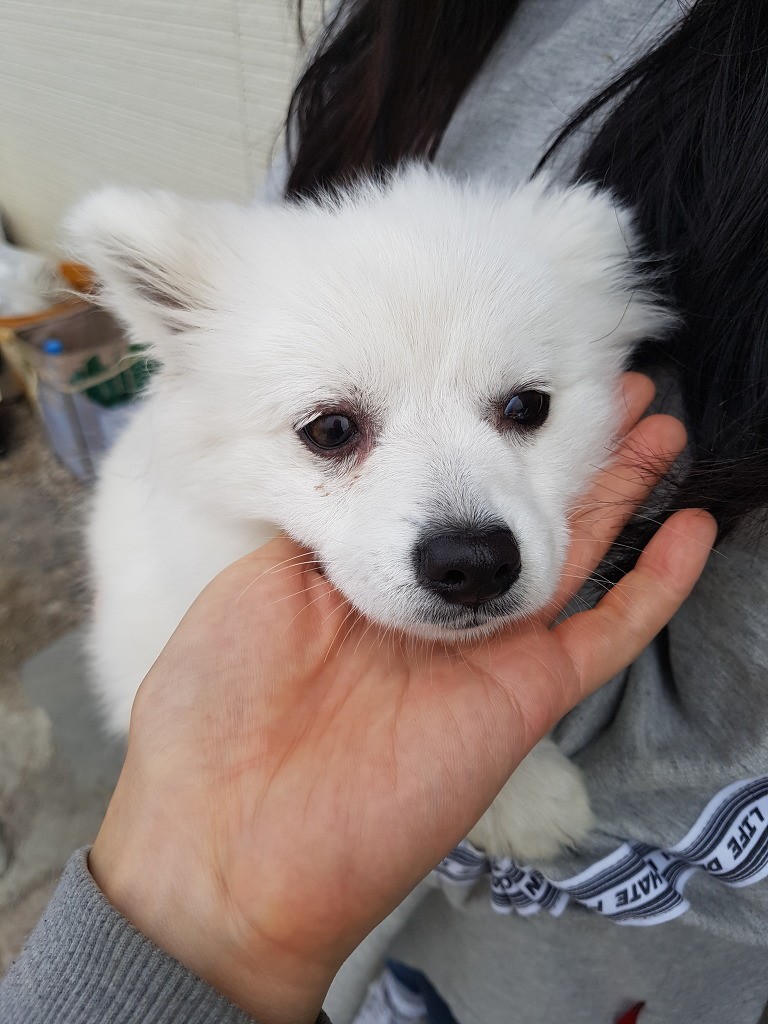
(415, 380)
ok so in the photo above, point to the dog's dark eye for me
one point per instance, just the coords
(331, 430)
(527, 408)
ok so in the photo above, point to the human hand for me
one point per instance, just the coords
(293, 771)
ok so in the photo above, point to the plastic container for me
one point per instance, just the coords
(89, 380)
(67, 429)
(84, 332)
(78, 368)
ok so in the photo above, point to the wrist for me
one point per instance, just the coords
(178, 908)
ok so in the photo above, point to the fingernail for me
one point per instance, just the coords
(700, 532)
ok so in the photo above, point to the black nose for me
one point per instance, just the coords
(468, 567)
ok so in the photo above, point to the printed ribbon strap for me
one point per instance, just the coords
(637, 884)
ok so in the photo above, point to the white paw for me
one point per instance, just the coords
(542, 809)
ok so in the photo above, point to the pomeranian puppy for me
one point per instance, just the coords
(415, 379)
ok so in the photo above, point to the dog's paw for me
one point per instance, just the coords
(542, 809)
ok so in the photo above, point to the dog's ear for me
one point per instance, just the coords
(598, 249)
(149, 254)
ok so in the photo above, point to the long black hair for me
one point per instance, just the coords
(383, 83)
(684, 142)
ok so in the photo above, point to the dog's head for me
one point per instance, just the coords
(415, 380)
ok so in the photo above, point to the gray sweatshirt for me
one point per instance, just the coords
(667, 904)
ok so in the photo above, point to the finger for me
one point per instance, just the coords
(604, 641)
(637, 393)
(643, 458)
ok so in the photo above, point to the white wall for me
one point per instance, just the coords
(181, 94)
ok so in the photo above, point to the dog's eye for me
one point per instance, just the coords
(527, 408)
(331, 430)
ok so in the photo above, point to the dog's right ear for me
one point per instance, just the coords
(148, 252)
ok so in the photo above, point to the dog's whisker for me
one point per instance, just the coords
(362, 635)
(302, 566)
(348, 633)
(464, 659)
(287, 562)
(598, 580)
(249, 585)
(261, 575)
(299, 612)
(290, 597)
(488, 650)
(351, 611)
(296, 575)
(302, 558)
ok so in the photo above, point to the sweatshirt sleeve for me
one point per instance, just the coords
(85, 964)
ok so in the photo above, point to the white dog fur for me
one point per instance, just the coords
(420, 306)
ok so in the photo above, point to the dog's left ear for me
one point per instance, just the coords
(151, 259)
(598, 247)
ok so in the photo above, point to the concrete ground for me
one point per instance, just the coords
(53, 786)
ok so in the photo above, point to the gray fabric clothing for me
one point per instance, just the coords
(657, 744)
(554, 55)
(85, 964)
